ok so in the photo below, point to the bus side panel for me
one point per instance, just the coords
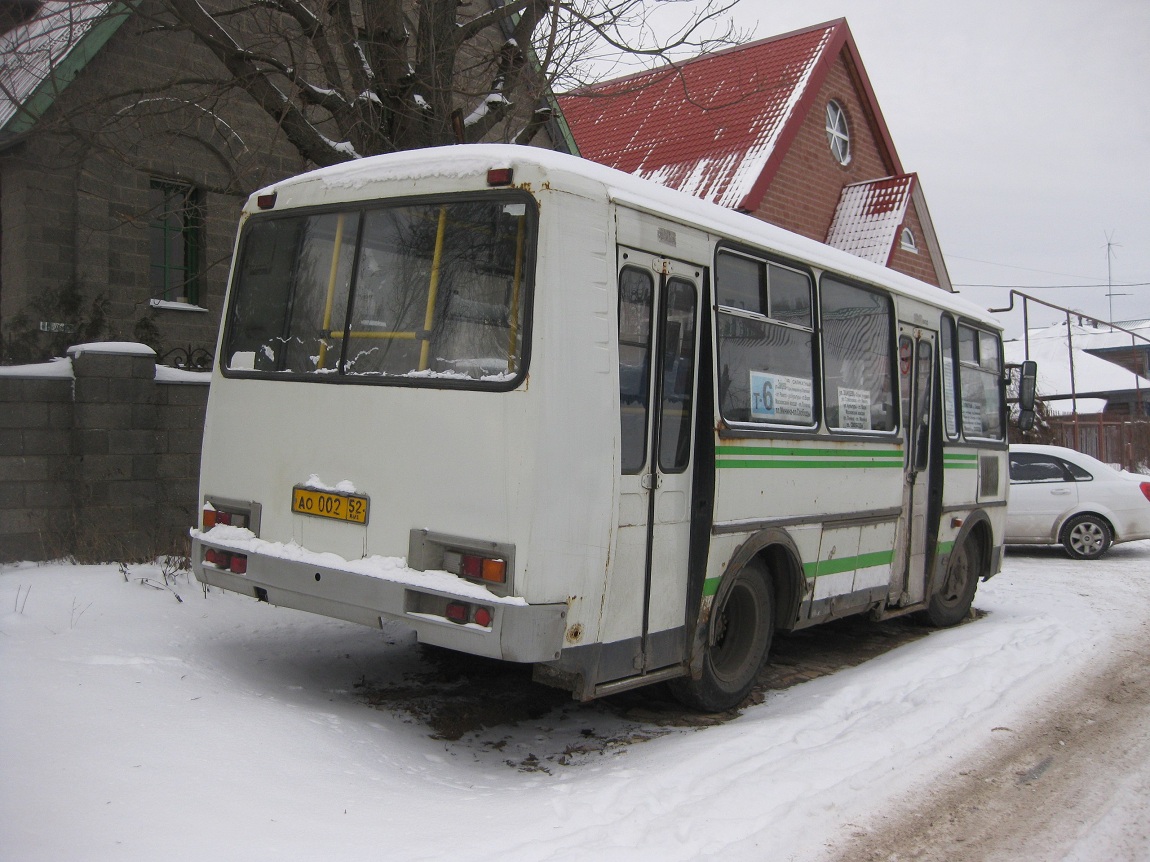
(808, 486)
(571, 507)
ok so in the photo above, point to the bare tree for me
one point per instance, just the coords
(349, 78)
(357, 77)
(222, 97)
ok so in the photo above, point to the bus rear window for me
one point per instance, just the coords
(424, 294)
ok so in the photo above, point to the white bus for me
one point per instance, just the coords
(544, 411)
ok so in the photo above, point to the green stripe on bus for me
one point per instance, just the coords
(959, 461)
(848, 564)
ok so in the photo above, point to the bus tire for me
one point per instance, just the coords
(1086, 537)
(950, 603)
(742, 626)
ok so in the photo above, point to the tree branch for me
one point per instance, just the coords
(306, 138)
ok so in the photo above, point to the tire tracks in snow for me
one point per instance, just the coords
(1070, 780)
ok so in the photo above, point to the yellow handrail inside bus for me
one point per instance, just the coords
(370, 333)
(433, 289)
(513, 334)
(332, 274)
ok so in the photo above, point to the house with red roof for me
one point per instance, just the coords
(787, 129)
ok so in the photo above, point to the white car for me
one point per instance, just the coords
(1059, 496)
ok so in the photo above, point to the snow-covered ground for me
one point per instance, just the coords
(137, 727)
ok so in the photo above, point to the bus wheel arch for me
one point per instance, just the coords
(756, 597)
(737, 637)
(969, 562)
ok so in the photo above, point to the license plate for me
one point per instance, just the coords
(325, 504)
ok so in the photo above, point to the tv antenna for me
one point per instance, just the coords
(1110, 294)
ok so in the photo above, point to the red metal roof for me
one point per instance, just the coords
(711, 125)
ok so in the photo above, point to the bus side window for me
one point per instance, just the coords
(678, 376)
(949, 390)
(636, 297)
(766, 341)
(980, 383)
(858, 368)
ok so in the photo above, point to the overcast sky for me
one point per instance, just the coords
(1027, 123)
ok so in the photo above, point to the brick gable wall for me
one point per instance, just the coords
(804, 192)
(920, 265)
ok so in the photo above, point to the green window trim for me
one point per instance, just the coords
(175, 236)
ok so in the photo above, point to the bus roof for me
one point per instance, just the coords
(430, 171)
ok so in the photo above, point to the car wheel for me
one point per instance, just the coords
(1086, 537)
(950, 603)
(742, 626)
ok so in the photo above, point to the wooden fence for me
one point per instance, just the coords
(1116, 441)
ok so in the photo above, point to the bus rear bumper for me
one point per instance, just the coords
(511, 629)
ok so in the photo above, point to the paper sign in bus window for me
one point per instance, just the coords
(779, 398)
(972, 418)
(854, 408)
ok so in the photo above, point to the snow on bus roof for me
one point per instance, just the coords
(361, 179)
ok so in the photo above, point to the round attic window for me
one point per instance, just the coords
(837, 133)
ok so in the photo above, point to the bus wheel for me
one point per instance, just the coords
(952, 599)
(742, 626)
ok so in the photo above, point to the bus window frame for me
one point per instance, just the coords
(981, 329)
(361, 208)
(748, 428)
(892, 357)
(948, 320)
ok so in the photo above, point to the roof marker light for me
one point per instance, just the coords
(266, 202)
(499, 176)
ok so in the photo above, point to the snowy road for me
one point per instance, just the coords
(134, 726)
(1069, 782)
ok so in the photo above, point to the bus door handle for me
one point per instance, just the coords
(650, 481)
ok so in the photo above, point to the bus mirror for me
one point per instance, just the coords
(1027, 385)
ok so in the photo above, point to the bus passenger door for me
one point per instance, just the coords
(646, 592)
(918, 527)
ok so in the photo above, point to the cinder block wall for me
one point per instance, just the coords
(35, 468)
(103, 465)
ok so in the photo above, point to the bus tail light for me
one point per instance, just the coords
(476, 567)
(482, 617)
(458, 612)
(494, 571)
(463, 613)
(219, 559)
(1145, 488)
(490, 569)
(491, 564)
(230, 514)
(239, 564)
